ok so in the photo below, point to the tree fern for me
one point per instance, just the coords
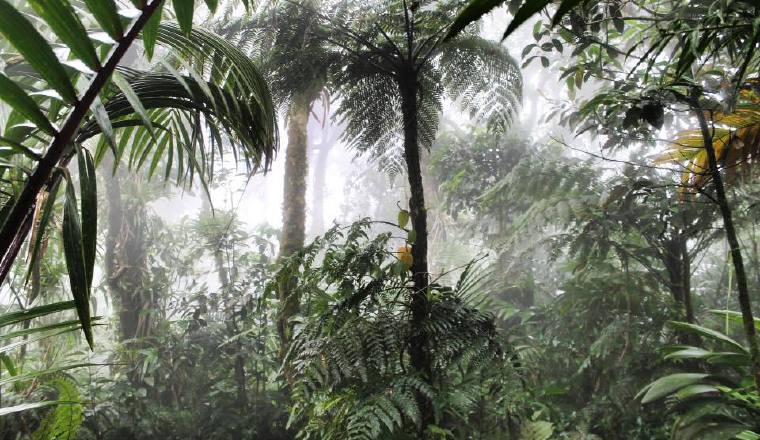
(63, 421)
(350, 354)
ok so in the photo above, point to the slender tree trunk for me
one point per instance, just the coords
(126, 260)
(686, 282)
(678, 266)
(418, 345)
(733, 242)
(294, 211)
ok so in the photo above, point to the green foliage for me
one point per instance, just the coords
(536, 431)
(63, 422)
(385, 55)
(721, 403)
(349, 353)
(223, 88)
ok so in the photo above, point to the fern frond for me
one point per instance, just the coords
(63, 421)
(484, 78)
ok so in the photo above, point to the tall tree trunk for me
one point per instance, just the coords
(678, 265)
(418, 345)
(733, 242)
(686, 282)
(126, 260)
(294, 211)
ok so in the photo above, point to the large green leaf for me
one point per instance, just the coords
(133, 99)
(471, 13)
(62, 19)
(35, 50)
(35, 312)
(89, 193)
(150, 31)
(14, 96)
(71, 324)
(735, 317)
(35, 374)
(526, 11)
(106, 12)
(73, 247)
(668, 385)
(19, 148)
(184, 10)
(708, 333)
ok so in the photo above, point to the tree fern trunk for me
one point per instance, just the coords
(733, 241)
(293, 210)
(418, 344)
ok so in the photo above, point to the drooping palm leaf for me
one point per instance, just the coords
(206, 81)
(735, 138)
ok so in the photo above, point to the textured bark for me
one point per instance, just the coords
(733, 241)
(418, 345)
(293, 211)
(126, 260)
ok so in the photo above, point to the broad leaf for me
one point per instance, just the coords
(150, 31)
(184, 10)
(35, 50)
(668, 385)
(89, 193)
(35, 312)
(62, 19)
(101, 117)
(19, 148)
(707, 333)
(35, 374)
(403, 218)
(133, 99)
(72, 324)
(106, 12)
(473, 12)
(14, 96)
(73, 247)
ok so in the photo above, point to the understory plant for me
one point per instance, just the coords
(350, 361)
(713, 395)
